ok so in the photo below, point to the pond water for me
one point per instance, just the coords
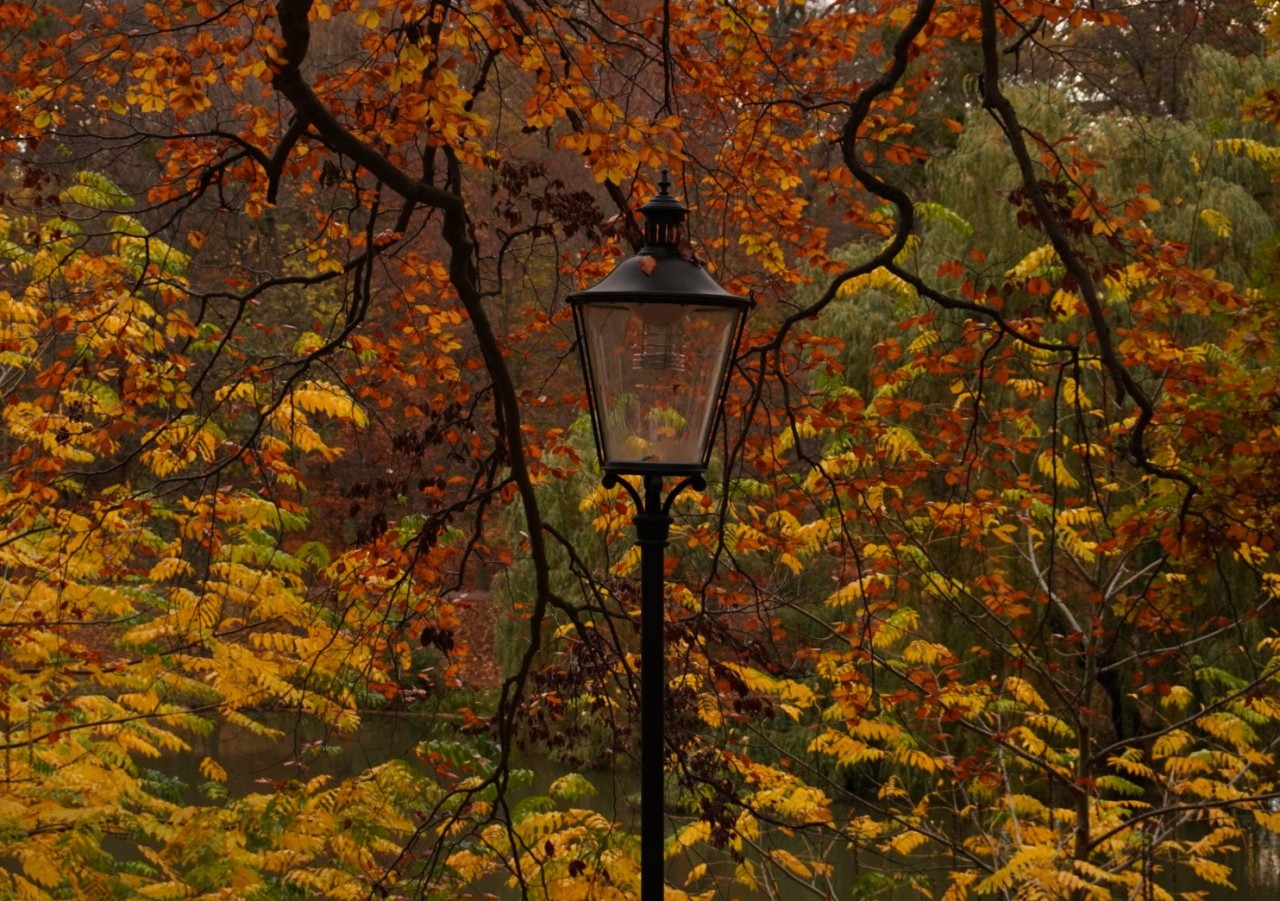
(253, 763)
(307, 749)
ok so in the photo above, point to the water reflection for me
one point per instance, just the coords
(256, 763)
(1263, 865)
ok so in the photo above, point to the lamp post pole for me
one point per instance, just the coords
(653, 526)
(653, 529)
(657, 338)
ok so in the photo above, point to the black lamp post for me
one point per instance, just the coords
(657, 337)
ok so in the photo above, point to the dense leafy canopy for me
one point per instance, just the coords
(979, 600)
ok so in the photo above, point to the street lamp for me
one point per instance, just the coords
(657, 337)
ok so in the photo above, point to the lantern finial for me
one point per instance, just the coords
(663, 217)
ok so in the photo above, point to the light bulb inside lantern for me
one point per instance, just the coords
(661, 342)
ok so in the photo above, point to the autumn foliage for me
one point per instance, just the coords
(980, 598)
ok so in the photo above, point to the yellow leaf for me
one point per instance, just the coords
(924, 340)
(1212, 871)
(1041, 261)
(856, 590)
(212, 770)
(40, 865)
(1050, 464)
(1025, 693)
(791, 863)
(905, 842)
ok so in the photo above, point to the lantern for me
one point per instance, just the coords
(657, 337)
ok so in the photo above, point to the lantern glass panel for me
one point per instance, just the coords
(657, 371)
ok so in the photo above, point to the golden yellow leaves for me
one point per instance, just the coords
(747, 835)
(163, 80)
(59, 435)
(1033, 864)
(41, 105)
(176, 446)
(780, 534)
(764, 246)
(795, 696)
(249, 586)
(286, 416)
(1218, 223)
(616, 151)
(783, 794)
(1265, 155)
(878, 279)
(577, 853)
(861, 590)
(1042, 262)
(41, 867)
(369, 16)
(1025, 693)
(18, 332)
(896, 625)
(844, 748)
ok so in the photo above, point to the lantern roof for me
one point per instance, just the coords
(666, 269)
